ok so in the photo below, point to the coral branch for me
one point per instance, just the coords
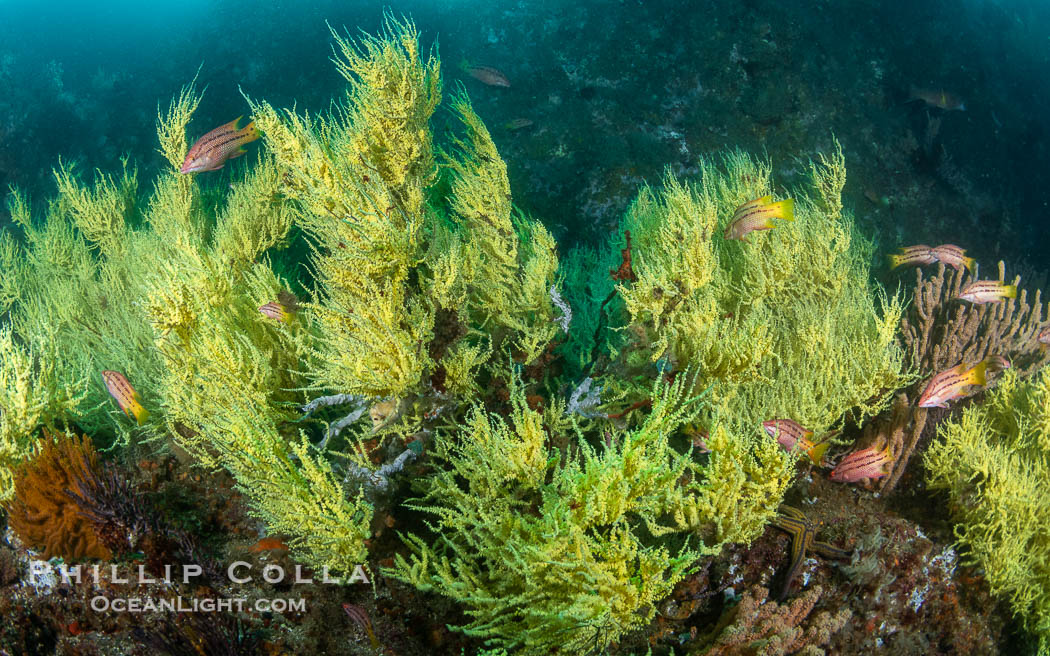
(379, 480)
(941, 332)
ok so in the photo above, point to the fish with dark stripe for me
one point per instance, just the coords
(125, 395)
(913, 255)
(863, 466)
(955, 257)
(225, 142)
(790, 434)
(956, 382)
(987, 291)
(758, 214)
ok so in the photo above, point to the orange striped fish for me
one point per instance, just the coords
(758, 214)
(953, 256)
(955, 383)
(789, 434)
(1044, 336)
(276, 311)
(125, 395)
(913, 255)
(212, 150)
(863, 466)
(283, 309)
(987, 291)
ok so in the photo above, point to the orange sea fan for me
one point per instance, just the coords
(42, 514)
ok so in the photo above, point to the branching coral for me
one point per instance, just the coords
(758, 626)
(434, 306)
(787, 324)
(940, 332)
(994, 464)
(358, 179)
(31, 395)
(547, 551)
(42, 513)
(784, 326)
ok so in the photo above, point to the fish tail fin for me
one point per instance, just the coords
(785, 209)
(140, 413)
(816, 454)
(895, 261)
(250, 132)
(1010, 291)
(978, 374)
(970, 265)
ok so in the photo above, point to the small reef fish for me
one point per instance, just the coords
(211, 151)
(276, 311)
(913, 255)
(953, 383)
(938, 98)
(1044, 336)
(517, 124)
(758, 214)
(125, 395)
(789, 434)
(953, 256)
(863, 466)
(283, 309)
(360, 617)
(486, 74)
(987, 291)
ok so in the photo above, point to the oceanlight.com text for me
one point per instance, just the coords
(180, 604)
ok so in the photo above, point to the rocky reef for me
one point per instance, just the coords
(361, 362)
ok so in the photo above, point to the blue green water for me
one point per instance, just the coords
(616, 91)
(603, 97)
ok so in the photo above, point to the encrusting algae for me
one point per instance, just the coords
(582, 432)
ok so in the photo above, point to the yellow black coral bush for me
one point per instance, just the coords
(559, 517)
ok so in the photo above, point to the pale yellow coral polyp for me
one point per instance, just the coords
(994, 463)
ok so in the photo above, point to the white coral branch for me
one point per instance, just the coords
(584, 399)
(566, 312)
(379, 479)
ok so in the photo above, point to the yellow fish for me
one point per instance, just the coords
(917, 255)
(956, 382)
(125, 395)
(987, 291)
(283, 309)
(276, 311)
(790, 434)
(955, 257)
(758, 214)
